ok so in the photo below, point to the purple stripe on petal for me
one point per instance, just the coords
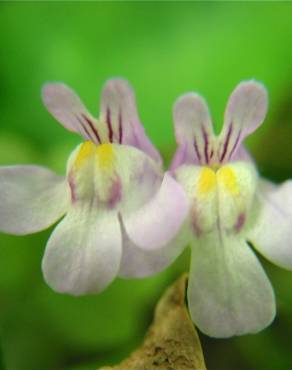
(195, 224)
(88, 134)
(230, 129)
(206, 144)
(197, 149)
(109, 125)
(240, 222)
(88, 121)
(235, 144)
(120, 128)
(116, 193)
(72, 187)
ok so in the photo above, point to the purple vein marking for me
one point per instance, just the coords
(109, 125)
(89, 136)
(92, 127)
(197, 150)
(206, 144)
(120, 128)
(240, 222)
(235, 144)
(230, 128)
(72, 187)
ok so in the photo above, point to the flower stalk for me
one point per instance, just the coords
(171, 342)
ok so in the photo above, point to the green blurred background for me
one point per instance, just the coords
(164, 49)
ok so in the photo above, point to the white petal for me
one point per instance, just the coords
(32, 198)
(118, 110)
(139, 263)
(83, 254)
(193, 130)
(272, 232)
(65, 105)
(228, 292)
(222, 197)
(116, 176)
(242, 154)
(158, 221)
(139, 174)
(245, 112)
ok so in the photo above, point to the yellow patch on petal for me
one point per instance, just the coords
(105, 156)
(227, 176)
(207, 180)
(209, 177)
(215, 166)
(103, 153)
(86, 150)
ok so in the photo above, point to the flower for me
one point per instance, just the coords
(114, 188)
(231, 209)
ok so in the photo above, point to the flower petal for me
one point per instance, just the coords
(242, 154)
(32, 198)
(83, 254)
(272, 232)
(228, 292)
(224, 197)
(114, 176)
(65, 105)
(245, 112)
(118, 110)
(139, 263)
(193, 130)
(158, 221)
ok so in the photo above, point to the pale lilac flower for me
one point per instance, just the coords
(114, 188)
(229, 292)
